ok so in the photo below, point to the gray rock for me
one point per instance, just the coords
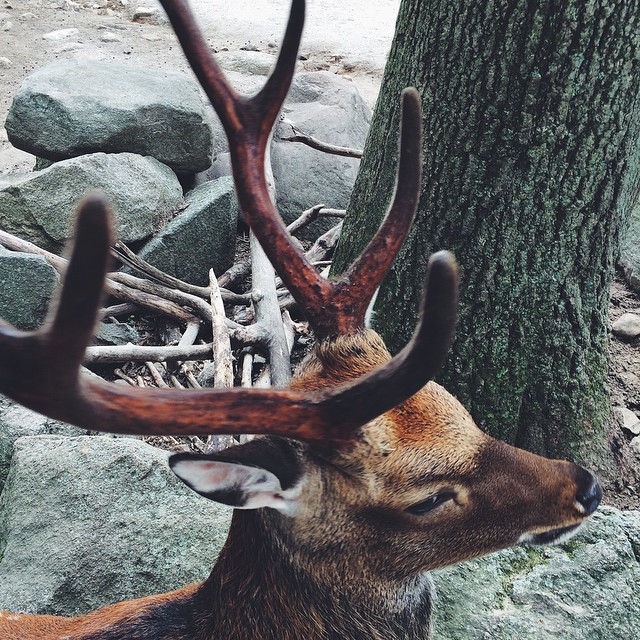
(17, 421)
(201, 238)
(586, 589)
(39, 206)
(89, 521)
(74, 107)
(254, 63)
(144, 14)
(628, 420)
(627, 326)
(206, 377)
(27, 283)
(327, 107)
(116, 333)
(630, 249)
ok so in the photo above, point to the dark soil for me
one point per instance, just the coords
(624, 384)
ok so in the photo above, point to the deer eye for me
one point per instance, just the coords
(421, 508)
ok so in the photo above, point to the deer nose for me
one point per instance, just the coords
(589, 492)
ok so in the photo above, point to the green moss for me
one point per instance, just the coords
(570, 547)
(532, 558)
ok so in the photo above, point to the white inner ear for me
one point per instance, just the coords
(255, 487)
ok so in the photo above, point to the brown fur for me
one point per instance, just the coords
(352, 563)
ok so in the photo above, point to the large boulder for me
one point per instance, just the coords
(27, 283)
(17, 421)
(202, 237)
(586, 589)
(40, 206)
(90, 521)
(630, 254)
(75, 107)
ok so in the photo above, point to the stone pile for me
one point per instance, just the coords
(141, 137)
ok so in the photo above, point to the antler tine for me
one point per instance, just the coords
(354, 290)
(72, 321)
(49, 359)
(247, 123)
(418, 362)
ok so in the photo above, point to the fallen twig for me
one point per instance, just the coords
(314, 143)
(139, 353)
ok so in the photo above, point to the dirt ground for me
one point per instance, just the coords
(345, 39)
(624, 384)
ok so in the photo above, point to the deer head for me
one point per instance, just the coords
(368, 475)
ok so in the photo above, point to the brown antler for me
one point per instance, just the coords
(42, 369)
(333, 308)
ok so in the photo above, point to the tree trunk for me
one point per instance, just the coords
(531, 165)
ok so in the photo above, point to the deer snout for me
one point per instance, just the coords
(589, 492)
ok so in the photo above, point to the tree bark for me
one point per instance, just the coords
(531, 165)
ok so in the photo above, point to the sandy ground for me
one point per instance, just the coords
(351, 38)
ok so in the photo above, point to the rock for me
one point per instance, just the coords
(61, 34)
(630, 249)
(586, 589)
(249, 63)
(89, 521)
(39, 206)
(5, 63)
(627, 326)
(110, 37)
(17, 421)
(201, 238)
(329, 108)
(629, 421)
(27, 283)
(635, 445)
(74, 107)
(116, 333)
(206, 377)
(142, 14)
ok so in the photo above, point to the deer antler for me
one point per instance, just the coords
(332, 308)
(42, 369)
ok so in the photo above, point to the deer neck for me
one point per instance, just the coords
(263, 588)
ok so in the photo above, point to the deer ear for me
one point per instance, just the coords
(235, 476)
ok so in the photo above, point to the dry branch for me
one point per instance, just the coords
(139, 353)
(325, 147)
(123, 253)
(221, 349)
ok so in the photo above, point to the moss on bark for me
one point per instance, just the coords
(531, 165)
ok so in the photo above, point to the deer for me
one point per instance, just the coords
(365, 473)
